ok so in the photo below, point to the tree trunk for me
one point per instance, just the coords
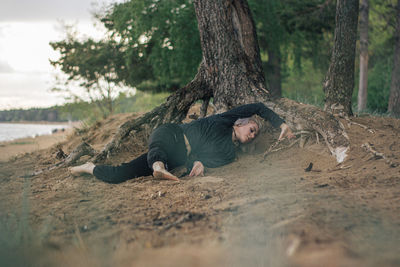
(339, 81)
(231, 72)
(230, 52)
(394, 99)
(363, 84)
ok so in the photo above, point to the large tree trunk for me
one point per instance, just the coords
(230, 52)
(394, 99)
(232, 73)
(339, 81)
(362, 88)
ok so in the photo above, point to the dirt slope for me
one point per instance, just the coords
(248, 213)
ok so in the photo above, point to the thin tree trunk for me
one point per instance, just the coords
(363, 84)
(339, 81)
(394, 99)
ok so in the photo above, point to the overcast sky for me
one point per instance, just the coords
(26, 28)
(40, 10)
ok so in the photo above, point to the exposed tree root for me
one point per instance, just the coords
(82, 149)
(377, 155)
(306, 117)
(349, 123)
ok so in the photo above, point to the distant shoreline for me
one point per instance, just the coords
(42, 122)
(20, 146)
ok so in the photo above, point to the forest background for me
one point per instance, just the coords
(152, 48)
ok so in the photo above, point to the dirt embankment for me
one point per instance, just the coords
(248, 213)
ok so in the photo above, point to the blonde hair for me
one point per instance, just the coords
(255, 118)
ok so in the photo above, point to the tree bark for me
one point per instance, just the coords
(339, 81)
(230, 52)
(363, 83)
(394, 98)
(231, 72)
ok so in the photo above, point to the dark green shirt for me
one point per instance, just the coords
(210, 138)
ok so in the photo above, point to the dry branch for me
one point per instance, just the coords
(377, 155)
(273, 149)
(349, 123)
(344, 167)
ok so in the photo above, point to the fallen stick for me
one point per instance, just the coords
(360, 125)
(340, 168)
(272, 150)
(377, 155)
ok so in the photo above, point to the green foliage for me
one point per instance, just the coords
(154, 45)
(305, 86)
(162, 33)
(379, 78)
(299, 32)
(96, 66)
(309, 25)
(89, 61)
(297, 29)
(381, 48)
(140, 102)
(79, 110)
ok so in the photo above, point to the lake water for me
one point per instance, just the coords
(10, 131)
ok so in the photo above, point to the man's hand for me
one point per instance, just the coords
(198, 169)
(286, 132)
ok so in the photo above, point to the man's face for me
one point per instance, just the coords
(246, 133)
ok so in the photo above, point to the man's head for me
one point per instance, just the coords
(245, 130)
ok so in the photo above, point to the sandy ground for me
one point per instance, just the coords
(15, 148)
(248, 213)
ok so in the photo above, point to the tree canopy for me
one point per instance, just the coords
(154, 45)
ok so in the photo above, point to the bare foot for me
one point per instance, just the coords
(164, 174)
(84, 168)
(160, 172)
